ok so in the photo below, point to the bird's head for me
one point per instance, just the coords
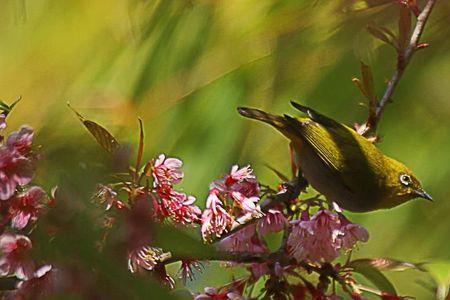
(404, 185)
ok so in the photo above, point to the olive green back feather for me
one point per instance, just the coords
(351, 162)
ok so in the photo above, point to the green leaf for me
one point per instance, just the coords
(101, 135)
(365, 268)
(6, 109)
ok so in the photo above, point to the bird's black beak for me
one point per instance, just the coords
(422, 194)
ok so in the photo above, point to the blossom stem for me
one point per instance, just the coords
(403, 61)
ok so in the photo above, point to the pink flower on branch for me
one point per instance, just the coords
(272, 221)
(244, 240)
(175, 205)
(167, 170)
(247, 205)
(25, 207)
(238, 180)
(215, 219)
(353, 233)
(323, 236)
(15, 259)
(211, 293)
(40, 286)
(181, 208)
(2, 121)
(145, 257)
(187, 269)
(105, 194)
(21, 140)
(15, 169)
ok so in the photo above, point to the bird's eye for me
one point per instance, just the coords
(405, 179)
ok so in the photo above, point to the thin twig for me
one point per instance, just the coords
(404, 59)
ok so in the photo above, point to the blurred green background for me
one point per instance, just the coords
(184, 66)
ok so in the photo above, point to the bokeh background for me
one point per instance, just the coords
(184, 66)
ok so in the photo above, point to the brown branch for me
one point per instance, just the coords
(403, 61)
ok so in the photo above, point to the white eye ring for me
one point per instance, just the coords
(405, 179)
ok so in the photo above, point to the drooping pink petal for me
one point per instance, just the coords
(2, 121)
(244, 240)
(322, 237)
(16, 260)
(215, 220)
(167, 170)
(272, 221)
(248, 205)
(26, 206)
(20, 220)
(7, 186)
(21, 140)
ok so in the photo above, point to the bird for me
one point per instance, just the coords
(341, 164)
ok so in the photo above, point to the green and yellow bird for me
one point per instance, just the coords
(341, 164)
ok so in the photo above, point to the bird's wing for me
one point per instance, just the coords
(339, 147)
(320, 139)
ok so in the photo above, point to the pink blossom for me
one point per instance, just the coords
(248, 205)
(211, 293)
(25, 207)
(241, 174)
(145, 257)
(241, 187)
(272, 221)
(244, 240)
(181, 208)
(315, 239)
(2, 121)
(238, 180)
(21, 140)
(323, 236)
(176, 205)
(299, 239)
(215, 219)
(105, 194)
(15, 169)
(167, 170)
(37, 287)
(352, 233)
(187, 269)
(15, 259)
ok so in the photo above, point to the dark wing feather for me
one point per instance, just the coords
(316, 116)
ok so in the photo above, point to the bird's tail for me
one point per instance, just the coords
(277, 121)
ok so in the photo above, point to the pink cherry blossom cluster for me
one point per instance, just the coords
(168, 202)
(20, 206)
(234, 195)
(311, 238)
(322, 236)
